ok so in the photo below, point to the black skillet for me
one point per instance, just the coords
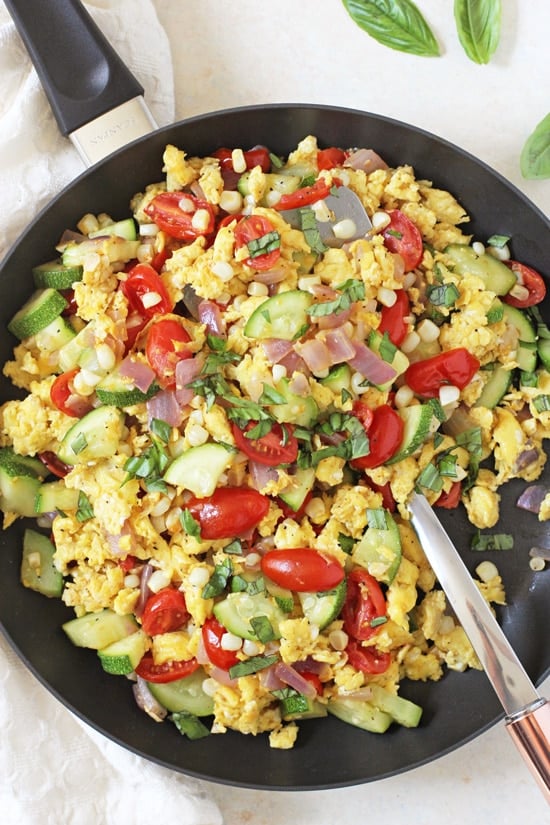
(328, 753)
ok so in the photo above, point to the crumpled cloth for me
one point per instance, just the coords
(55, 769)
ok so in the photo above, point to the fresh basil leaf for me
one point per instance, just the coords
(492, 541)
(395, 23)
(478, 27)
(189, 725)
(535, 155)
(252, 665)
(190, 524)
(85, 510)
(161, 429)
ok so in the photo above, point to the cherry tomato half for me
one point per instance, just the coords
(228, 512)
(451, 499)
(456, 367)
(64, 397)
(145, 292)
(329, 158)
(393, 318)
(364, 603)
(304, 196)
(168, 672)
(403, 237)
(532, 281)
(388, 501)
(278, 446)
(182, 223)
(254, 228)
(367, 659)
(165, 346)
(164, 612)
(302, 569)
(54, 464)
(385, 436)
(313, 679)
(212, 633)
(257, 156)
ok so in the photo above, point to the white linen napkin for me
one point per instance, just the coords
(53, 767)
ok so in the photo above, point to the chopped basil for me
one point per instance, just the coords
(190, 525)
(189, 725)
(80, 443)
(351, 290)
(498, 241)
(252, 665)
(430, 479)
(264, 245)
(85, 510)
(541, 403)
(292, 702)
(443, 295)
(161, 429)
(378, 620)
(535, 155)
(446, 464)
(234, 548)
(262, 628)
(345, 395)
(495, 313)
(346, 543)
(471, 441)
(377, 518)
(492, 541)
(149, 466)
(218, 580)
(259, 430)
(311, 231)
(216, 343)
(387, 349)
(271, 396)
(276, 161)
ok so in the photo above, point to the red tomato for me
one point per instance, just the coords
(258, 156)
(165, 346)
(278, 446)
(329, 158)
(64, 397)
(54, 464)
(160, 259)
(134, 325)
(364, 413)
(304, 196)
(168, 672)
(302, 569)
(532, 281)
(403, 237)
(72, 306)
(253, 228)
(164, 612)
(313, 679)
(393, 318)
(212, 632)
(451, 499)
(385, 435)
(143, 285)
(127, 564)
(456, 367)
(166, 211)
(364, 602)
(388, 501)
(228, 512)
(367, 659)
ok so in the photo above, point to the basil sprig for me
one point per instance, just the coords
(395, 23)
(478, 27)
(535, 156)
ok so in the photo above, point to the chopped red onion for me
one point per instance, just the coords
(191, 301)
(316, 355)
(141, 374)
(223, 677)
(261, 474)
(276, 348)
(197, 190)
(187, 370)
(165, 406)
(366, 159)
(340, 346)
(147, 702)
(270, 276)
(336, 319)
(269, 679)
(525, 458)
(293, 363)
(291, 677)
(210, 314)
(299, 385)
(532, 498)
(370, 365)
(144, 591)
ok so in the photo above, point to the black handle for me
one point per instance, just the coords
(82, 74)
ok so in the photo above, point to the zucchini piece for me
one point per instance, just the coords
(41, 309)
(199, 468)
(125, 228)
(282, 595)
(184, 694)
(379, 551)
(56, 275)
(402, 711)
(53, 496)
(338, 379)
(70, 353)
(544, 352)
(96, 435)
(283, 184)
(21, 465)
(399, 362)
(302, 483)
(122, 657)
(496, 387)
(119, 391)
(99, 630)
(495, 275)
(418, 421)
(297, 706)
(322, 608)
(360, 714)
(20, 481)
(237, 609)
(55, 335)
(526, 355)
(297, 410)
(38, 571)
(282, 316)
(116, 249)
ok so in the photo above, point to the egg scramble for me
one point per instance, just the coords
(284, 355)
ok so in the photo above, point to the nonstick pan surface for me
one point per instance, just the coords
(328, 753)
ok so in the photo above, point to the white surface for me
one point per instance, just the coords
(244, 52)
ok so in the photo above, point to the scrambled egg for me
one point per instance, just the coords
(136, 523)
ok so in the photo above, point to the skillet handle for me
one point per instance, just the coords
(82, 75)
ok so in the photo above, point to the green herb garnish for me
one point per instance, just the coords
(85, 510)
(492, 541)
(252, 665)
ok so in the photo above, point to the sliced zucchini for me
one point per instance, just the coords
(54, 495)
(418, 422)
(526, 354)
(116, 249)
(199, 468)
(322, 608)
(399, 361)
(99, 630)
(55, 274)
(185, 694)
(302, 483)
(20, 481)
(282, 595)
(282, 316)
(38, 571)
(360, 714)
(282, 184)
(119, 391)
(495, 275)
(338, 379)
(379, 550)
(123, 656)
(21, 465)
(237, 609)
(544, 352)
(55, 335)
(96, 435)
(125, 228)
(297, 706)
(71, 352)
(496, 387)
(41, 309)
(299, 410)
(402, 711)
